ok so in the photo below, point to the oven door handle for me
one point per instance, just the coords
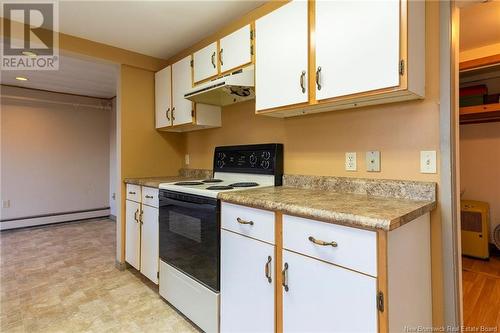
(190, 205)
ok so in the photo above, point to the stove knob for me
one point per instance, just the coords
(266, 155)
(220, 163)
(221, 156)
(253, 159)
(265, 164)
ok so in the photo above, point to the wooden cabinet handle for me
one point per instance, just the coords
(140, 217)
(168, 117)
(135, 216)
(173, 109)
(241, 221)
(322, 243)
(220, 57)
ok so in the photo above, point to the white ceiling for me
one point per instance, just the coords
(79, 76)
(156, 28)
(479, 25)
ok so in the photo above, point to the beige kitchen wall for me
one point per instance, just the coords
(54, 157)
(480, 166)
(316, 144)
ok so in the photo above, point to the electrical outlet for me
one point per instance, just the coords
(6, 204)
(428, 161)
(186, 159)
(350, 162)
(373, 161)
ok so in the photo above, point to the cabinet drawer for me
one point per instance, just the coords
(150, 196)
(356, 248)
(261, 226)
(134, 192)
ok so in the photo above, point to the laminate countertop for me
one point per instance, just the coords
(351, 209)
(184, 174)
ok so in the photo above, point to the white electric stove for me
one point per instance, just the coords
(189, 227)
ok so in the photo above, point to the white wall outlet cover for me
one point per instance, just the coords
(428, 161)
(373, 161)
(6, 204)
(350, 161)
(186, 159)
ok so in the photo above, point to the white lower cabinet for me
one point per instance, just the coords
(149, 243)
(247, 284)
(321, 297)
(141, 230)
(132, 233)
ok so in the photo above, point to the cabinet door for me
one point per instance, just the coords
(205, 62)
(247, 296)
(357, 46)
(181, 82)
(149, 243)
(132, 233)
(325, 298)
(235, 49)
(281, 39)
(163, 98)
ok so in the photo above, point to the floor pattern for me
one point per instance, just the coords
(481, 292)
(61, 278)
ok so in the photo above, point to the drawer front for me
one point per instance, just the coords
(356, 248)
(134, 192)
(255, 223)
(150, 196)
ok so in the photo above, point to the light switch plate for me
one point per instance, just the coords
(350, 162)
(373, 161)
(428, 161)
(186, 159)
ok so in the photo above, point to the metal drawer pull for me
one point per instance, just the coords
(135, 215)
(149, 197)
(318, 77)
(302, 77)
(168, 117)
(131, 192)
(220, 57)
(284, 277)
(213, 59)
(268, 269)
(241, 221)
(322, 243)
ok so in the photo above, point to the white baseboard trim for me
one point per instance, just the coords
(34, 221)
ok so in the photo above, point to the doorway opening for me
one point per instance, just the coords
(479, 142)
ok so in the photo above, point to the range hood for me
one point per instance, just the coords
(231, 88)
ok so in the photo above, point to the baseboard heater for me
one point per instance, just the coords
(30, 221)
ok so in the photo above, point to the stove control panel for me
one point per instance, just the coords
(259, 159)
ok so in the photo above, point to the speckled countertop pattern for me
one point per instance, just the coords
(337, 205)
(184, 174)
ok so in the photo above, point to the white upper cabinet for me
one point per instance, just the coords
(205, 63)
(163, 97)
(235, 49)
(281, 51)
(357, 46)
(182, 109)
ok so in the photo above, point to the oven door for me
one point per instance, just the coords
(190, 235)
